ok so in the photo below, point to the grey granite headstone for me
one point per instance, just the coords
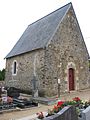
(86, 114)
(67, 113)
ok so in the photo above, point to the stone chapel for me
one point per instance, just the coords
(51, 51)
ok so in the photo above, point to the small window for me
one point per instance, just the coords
(14, 68)
(89, 63)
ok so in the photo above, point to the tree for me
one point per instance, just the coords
(1, 78)
(2, 74)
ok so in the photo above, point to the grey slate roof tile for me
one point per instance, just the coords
(39, 33)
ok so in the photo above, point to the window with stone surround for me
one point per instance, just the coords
(14, 68)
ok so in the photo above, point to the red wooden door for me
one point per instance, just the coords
(71, 79)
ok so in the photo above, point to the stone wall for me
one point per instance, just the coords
(28, 65)
(66, 50)
(2, 83)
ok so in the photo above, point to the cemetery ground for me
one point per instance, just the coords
(14, 115)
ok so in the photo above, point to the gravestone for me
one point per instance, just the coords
(13, 92)
(35, 87)
(67, 113)
(86, 114)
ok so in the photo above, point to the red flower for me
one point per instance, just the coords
(76, 99)
(55, 107)
(9, 99)
(60, 103)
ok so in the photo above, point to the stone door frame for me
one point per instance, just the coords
(73, 66)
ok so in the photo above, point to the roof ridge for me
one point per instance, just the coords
(50, 13)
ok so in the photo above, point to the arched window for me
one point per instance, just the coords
(14, 68)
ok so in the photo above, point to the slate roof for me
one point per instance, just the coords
(39, 33)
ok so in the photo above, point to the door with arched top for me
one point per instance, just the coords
(71, 79)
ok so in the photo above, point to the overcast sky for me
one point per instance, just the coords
(16, 15)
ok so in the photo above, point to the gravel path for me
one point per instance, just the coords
(84, 95)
